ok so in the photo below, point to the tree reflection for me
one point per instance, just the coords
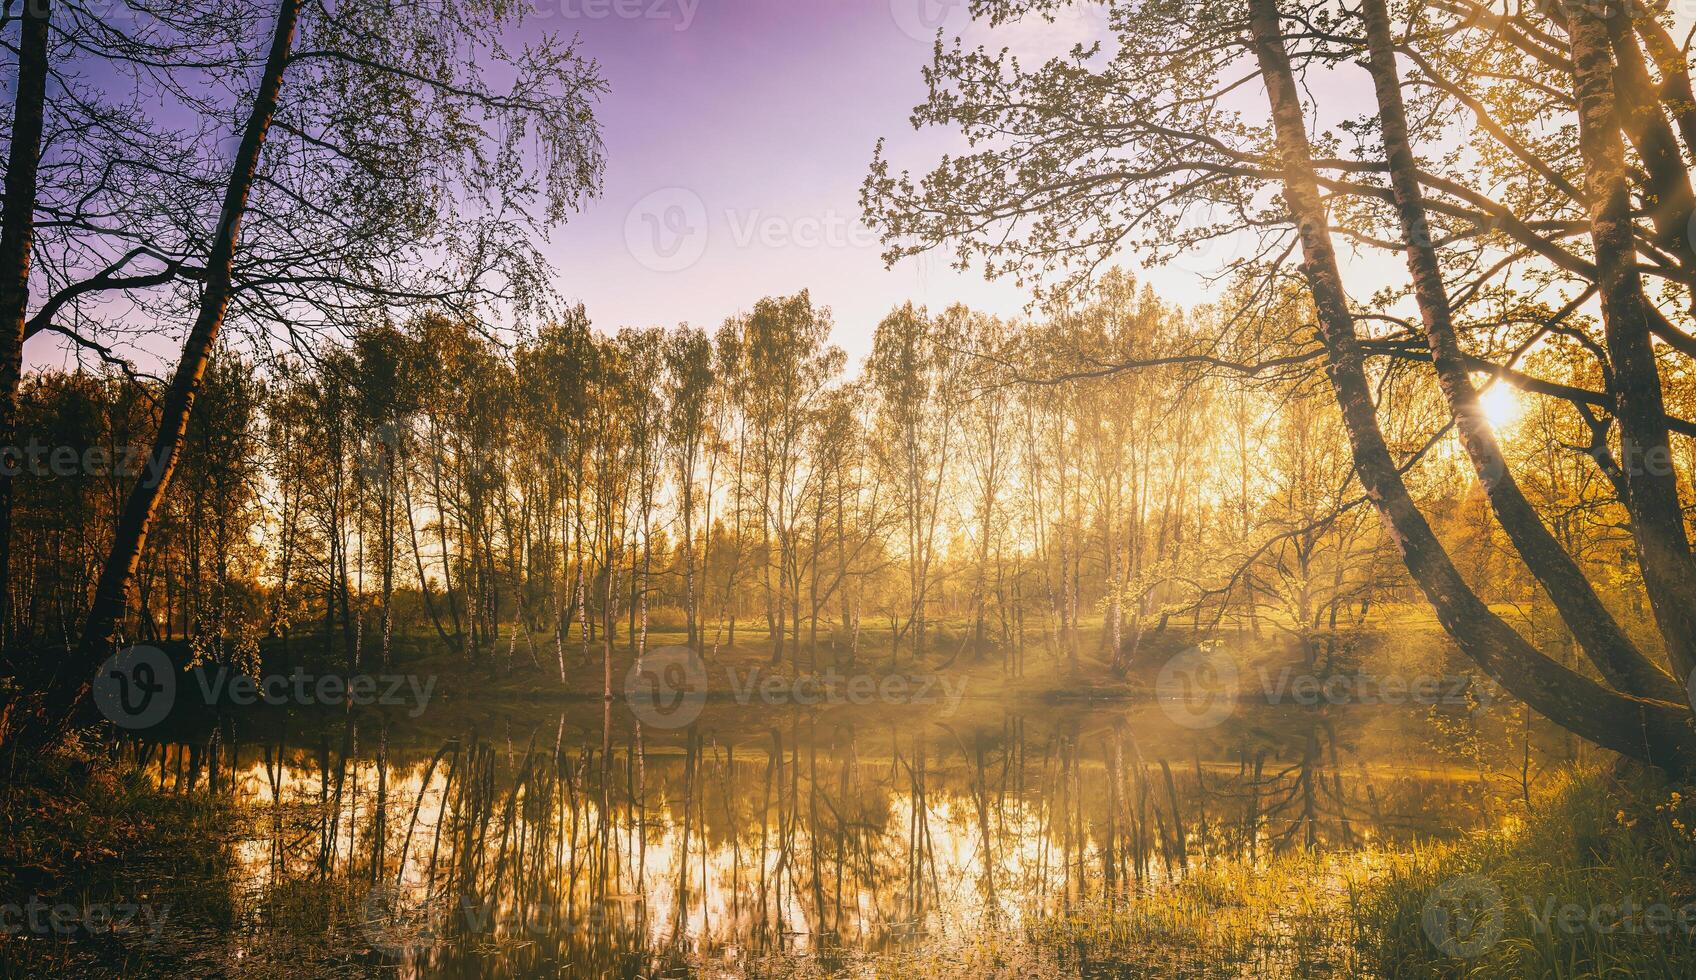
(610, 849)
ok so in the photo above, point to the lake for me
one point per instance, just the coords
(572, 839)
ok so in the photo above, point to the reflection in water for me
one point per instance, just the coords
(593, 846)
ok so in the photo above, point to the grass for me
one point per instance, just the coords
(1284, 918)
(1564, 891)
(80, 831)
(62, 812)
(1592, 841)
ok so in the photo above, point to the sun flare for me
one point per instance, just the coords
(1502, 406)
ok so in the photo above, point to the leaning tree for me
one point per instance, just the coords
(1198, 121)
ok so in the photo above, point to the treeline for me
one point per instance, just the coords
(976, 487)
(211, 188)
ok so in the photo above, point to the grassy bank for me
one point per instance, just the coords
(1598, 879)
(90, 856)
(1595, 878)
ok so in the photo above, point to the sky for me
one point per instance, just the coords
(738, 133)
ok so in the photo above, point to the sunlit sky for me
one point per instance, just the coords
(738, 133)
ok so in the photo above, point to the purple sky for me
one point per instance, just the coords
(736, 147)
(738, 133)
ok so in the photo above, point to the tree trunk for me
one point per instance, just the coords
(418, 559)
(1663, 549)
(111, 594)
(1613, 653)
(386, 501)
(1668, 197)
(1652, 731)
(1675, 92)
(17, 234)
(442, 536)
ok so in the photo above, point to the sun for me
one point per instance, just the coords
(1503, 406)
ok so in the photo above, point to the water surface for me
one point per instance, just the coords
(576, 840)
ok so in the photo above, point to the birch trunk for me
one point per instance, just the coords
(1601, 637)
(130, 537)
(1655, 732)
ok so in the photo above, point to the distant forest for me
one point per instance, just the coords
(976, 486)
